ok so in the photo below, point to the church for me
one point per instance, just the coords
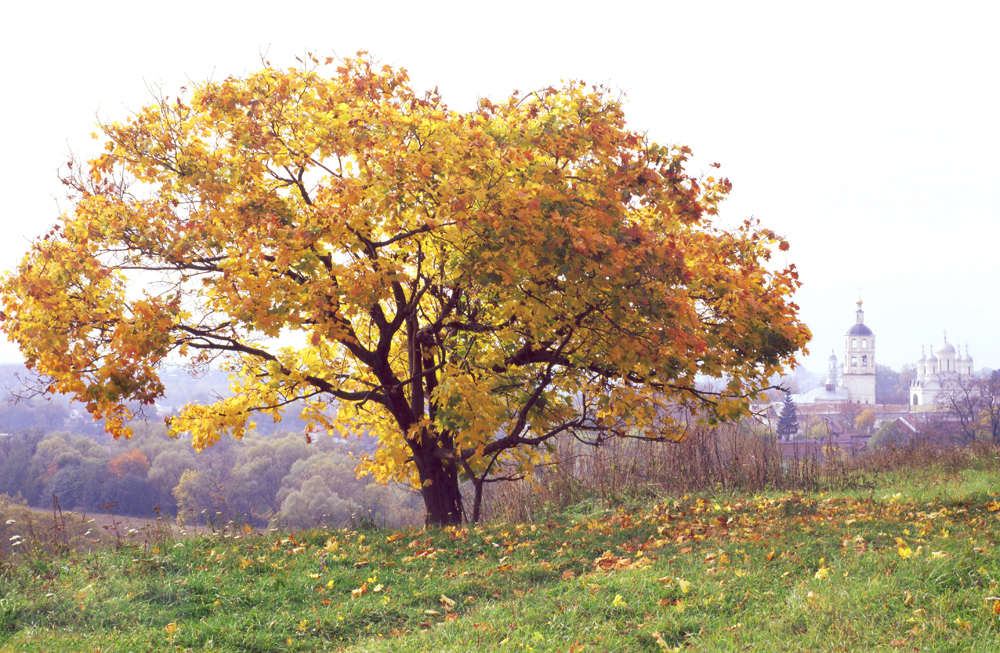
(859, 361)
(854, 380)
(936, 373)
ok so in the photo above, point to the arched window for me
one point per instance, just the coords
(916, 400)
(854, 343)
(864, 343)
(854, 360)
(864, 360)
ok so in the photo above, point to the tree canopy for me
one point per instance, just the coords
(892, 387)
(975, 402)
(865, 420)
(467, 286)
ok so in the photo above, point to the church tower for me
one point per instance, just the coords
(859, 361)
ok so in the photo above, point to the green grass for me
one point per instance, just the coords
(908, 565)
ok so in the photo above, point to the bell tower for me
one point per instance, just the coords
(859, 360)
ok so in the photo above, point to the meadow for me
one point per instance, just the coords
(906, 560)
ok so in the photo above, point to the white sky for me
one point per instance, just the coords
(866, 132)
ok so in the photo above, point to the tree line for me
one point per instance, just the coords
(260, 480)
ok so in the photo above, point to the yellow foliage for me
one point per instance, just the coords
(466, 286)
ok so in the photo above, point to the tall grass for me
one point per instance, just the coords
(724, 459)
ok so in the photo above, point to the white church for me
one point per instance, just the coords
(853, 381)
(935, 373)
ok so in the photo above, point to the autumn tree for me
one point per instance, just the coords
(865, 420)
(467, 286)
(820, 431)
(131, 462)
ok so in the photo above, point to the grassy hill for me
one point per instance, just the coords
(909, 563)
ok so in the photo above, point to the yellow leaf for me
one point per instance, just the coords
(445, 275)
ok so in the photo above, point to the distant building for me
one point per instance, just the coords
(841, 443)
(831, 392)
(859, 360)
(853, 381)
(941, 370)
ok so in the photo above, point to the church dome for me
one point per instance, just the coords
(945, 350)
(967, 358)
(931, 358)
(859, 330)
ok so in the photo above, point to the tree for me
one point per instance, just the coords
(165, 474)
(467, 286)
(20, 472)
(820, 431)
(131, 462)
(865, 420)
(889, 434)
(893, 387)
(788, 423)
(975, 401)
(886, 379)
(263, 466)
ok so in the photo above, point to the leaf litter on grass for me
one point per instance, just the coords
(820, 571)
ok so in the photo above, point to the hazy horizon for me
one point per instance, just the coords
(864, 133)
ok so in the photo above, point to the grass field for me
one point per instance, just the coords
(909, 565)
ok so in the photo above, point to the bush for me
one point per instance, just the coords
(890, 434)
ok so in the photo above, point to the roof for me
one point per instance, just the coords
(859, 330)
(820, 395)
(946, 348)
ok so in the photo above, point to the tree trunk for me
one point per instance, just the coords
(477, 502)
(439, 487)
(442, 497)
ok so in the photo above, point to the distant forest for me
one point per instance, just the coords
(52, 451)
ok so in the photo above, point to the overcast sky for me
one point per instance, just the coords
(865, 132)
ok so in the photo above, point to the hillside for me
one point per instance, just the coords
(908, 564)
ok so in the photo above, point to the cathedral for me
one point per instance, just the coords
(936, 373)
(853, 380)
